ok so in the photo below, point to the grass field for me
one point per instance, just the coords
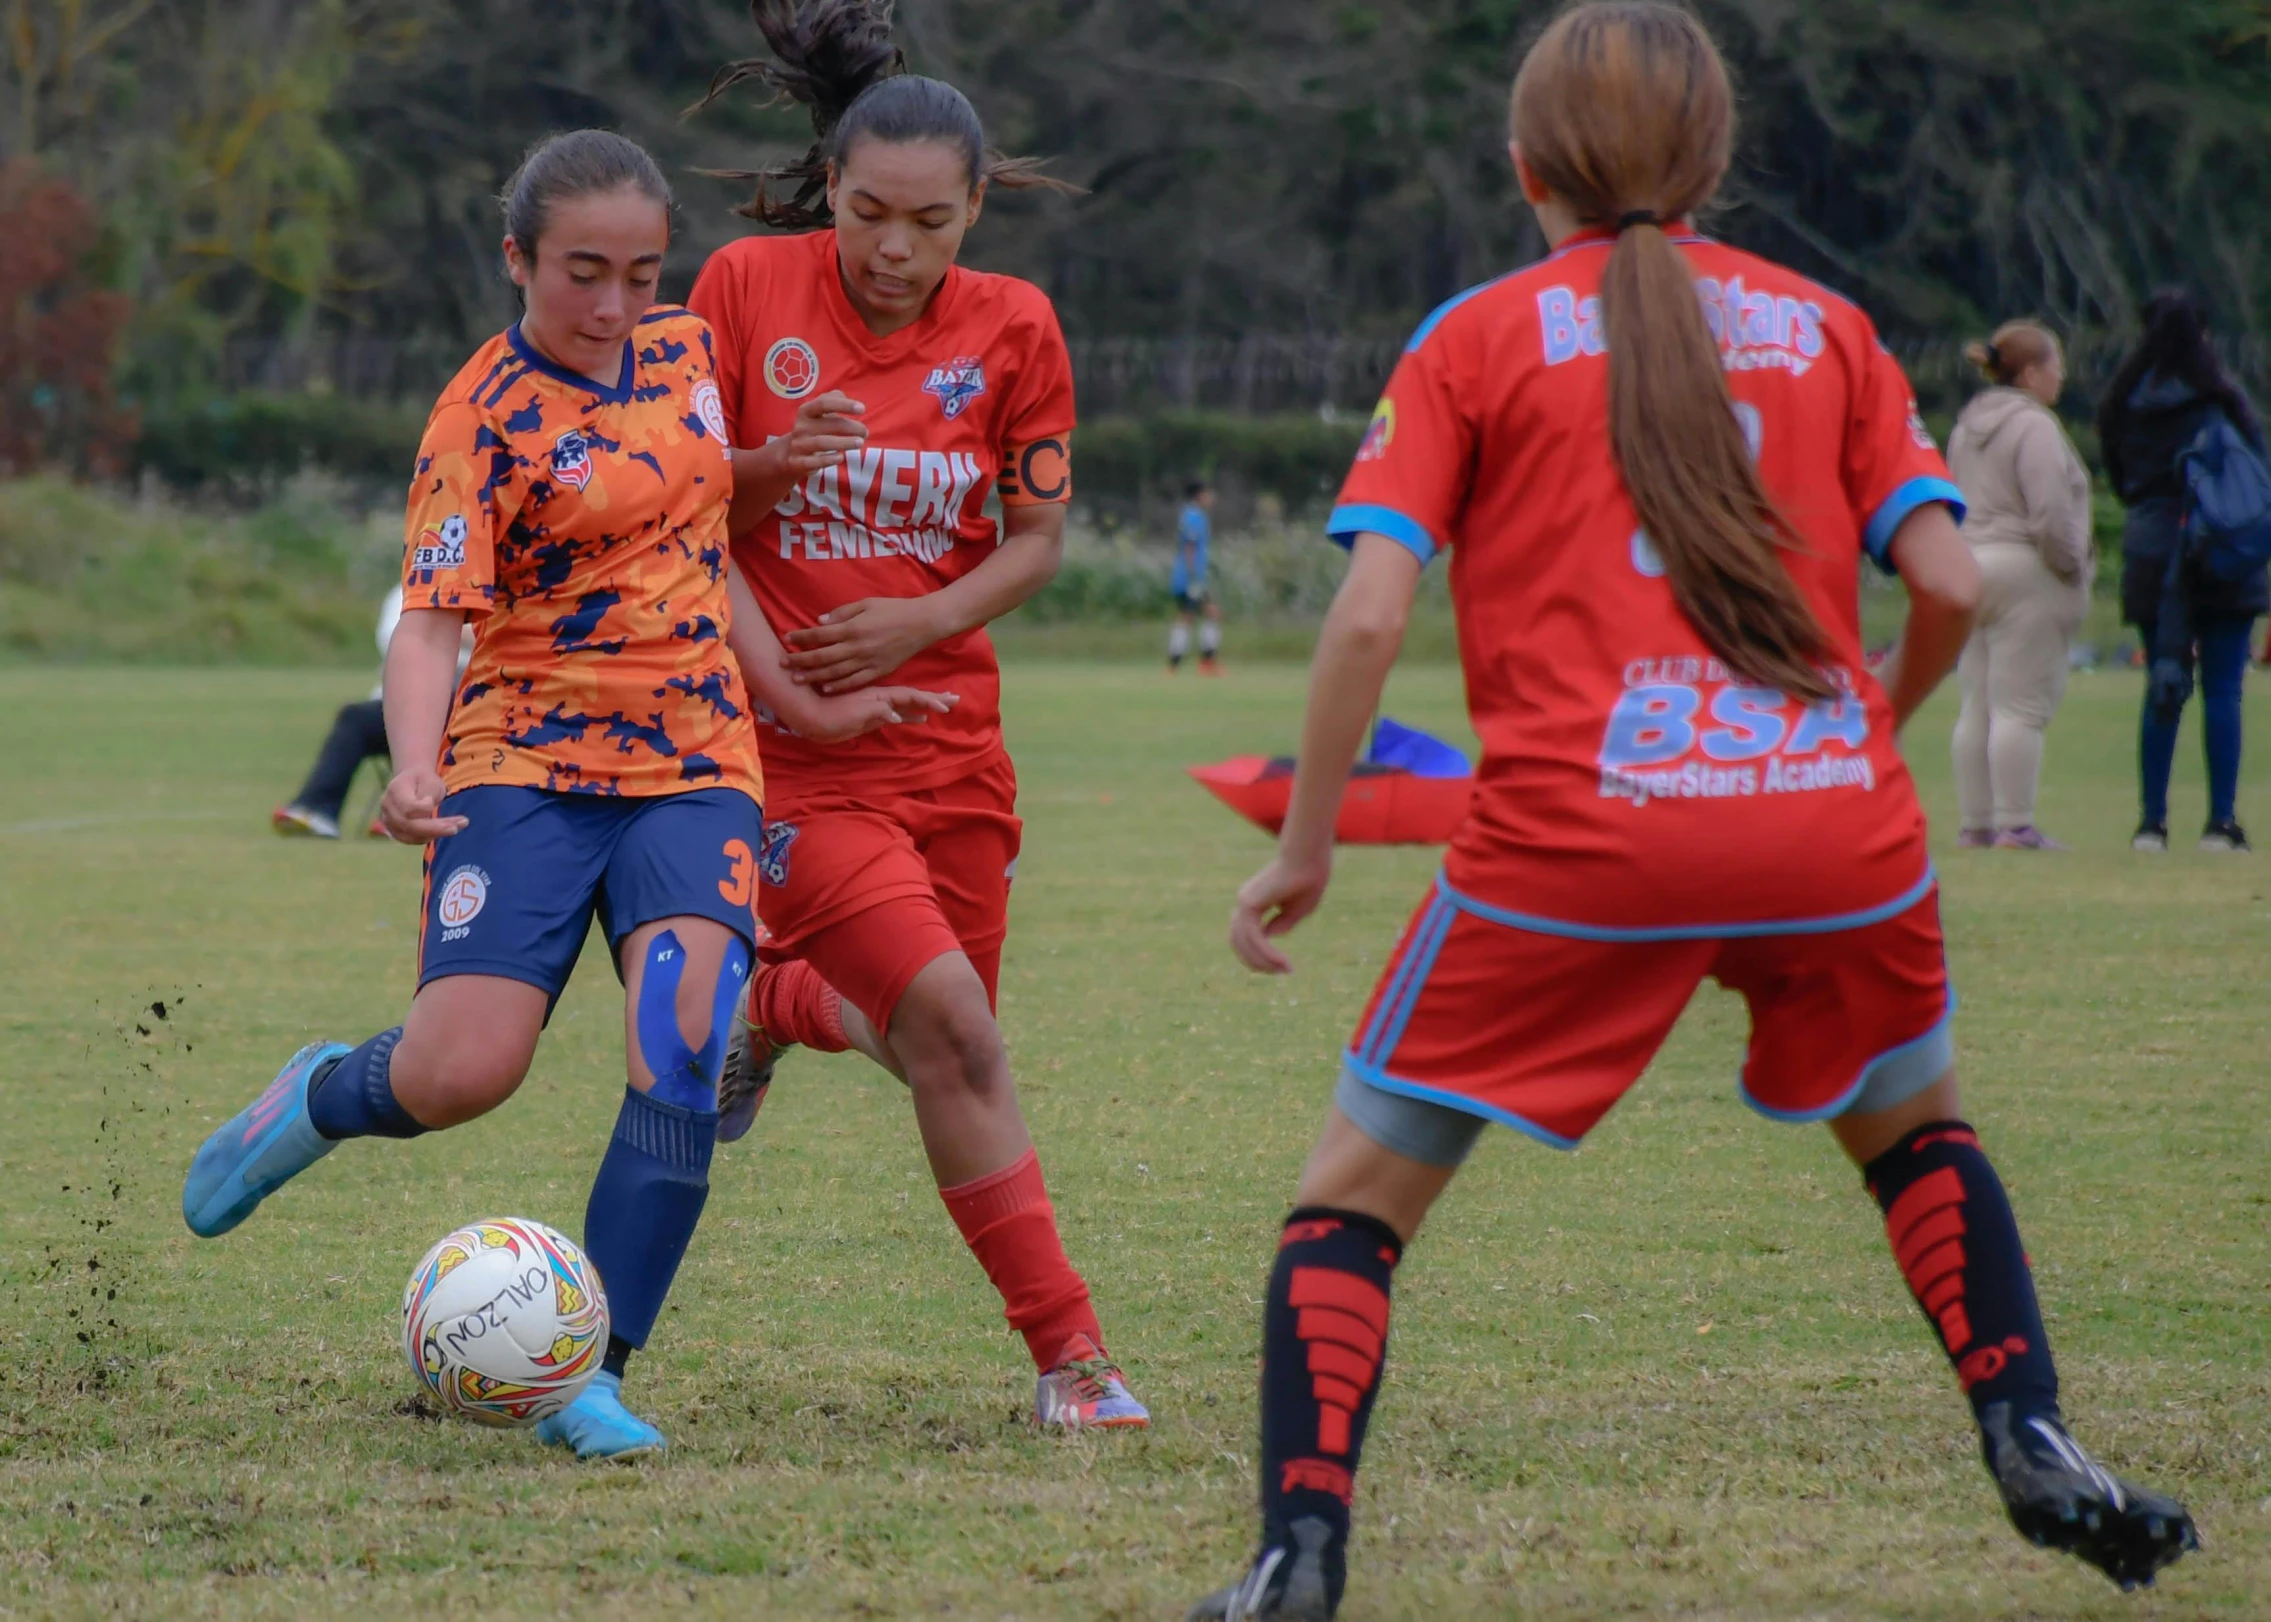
(1672, 1375)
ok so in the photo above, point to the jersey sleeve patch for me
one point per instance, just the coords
(1036, 473)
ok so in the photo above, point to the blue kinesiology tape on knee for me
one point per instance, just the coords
(733, 983)
(645, 1203)
(677, 1070)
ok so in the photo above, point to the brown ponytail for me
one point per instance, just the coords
(1623, 109)
(2016, 346)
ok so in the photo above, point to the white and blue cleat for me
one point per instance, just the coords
(263, 1147)
(598, 1426)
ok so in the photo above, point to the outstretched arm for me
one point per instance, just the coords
(1362, 633)
(865, 641)
(810, 715)
(1942, 577)
(420, 682)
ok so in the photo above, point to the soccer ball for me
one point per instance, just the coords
(504, 1321)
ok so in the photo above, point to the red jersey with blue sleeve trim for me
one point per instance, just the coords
(580, 526)
(975, 396)
(1631, 787)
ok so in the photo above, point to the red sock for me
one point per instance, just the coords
(795, 1007)
(1009, 1225)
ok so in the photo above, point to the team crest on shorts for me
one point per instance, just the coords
(460, 900)
(571, 459)
(773, 853)
(792, 369)
(956, 384)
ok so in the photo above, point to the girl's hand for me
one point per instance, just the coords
(826, 426)
(411, 808)
(1271, 903)
(832, 720)
(861, 642)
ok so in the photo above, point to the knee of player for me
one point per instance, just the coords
(961, 1048)
(466, 1080)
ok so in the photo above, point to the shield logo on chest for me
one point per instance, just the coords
(571, 459)
(956, 384)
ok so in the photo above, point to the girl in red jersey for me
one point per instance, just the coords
(597, 757)
(1656, 463)
(881, 391)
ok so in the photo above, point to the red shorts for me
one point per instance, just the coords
(870, 889)
(1545, 1032)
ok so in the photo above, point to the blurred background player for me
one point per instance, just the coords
(1194, 538)
(880, 390)
(1686, 773)
(358, 733)
(570, 499)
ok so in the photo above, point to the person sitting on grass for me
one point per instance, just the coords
(1194, 537)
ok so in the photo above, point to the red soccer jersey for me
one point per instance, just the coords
(975, 395)
(1629, 785)
(582, 529)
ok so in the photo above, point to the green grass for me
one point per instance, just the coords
(1674, 1374)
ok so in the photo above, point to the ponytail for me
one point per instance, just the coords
(1623, 109)
(2016, 346)
(837, 59)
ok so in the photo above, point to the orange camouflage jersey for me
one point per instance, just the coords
(582, 528)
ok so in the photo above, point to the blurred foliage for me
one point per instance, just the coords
(244, 446)
(88, 574)
(288, 166)
(59, 331)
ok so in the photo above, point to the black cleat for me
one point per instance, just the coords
(1297, 1584)
(2061, 1498)
(746, 1078)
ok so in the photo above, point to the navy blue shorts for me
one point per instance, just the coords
(513, 894)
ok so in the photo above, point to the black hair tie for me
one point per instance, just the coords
(1639, 216)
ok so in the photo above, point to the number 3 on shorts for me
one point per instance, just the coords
(739, 886)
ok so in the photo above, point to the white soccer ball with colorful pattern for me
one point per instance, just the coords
(504, 1321)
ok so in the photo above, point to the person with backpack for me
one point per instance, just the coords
(2170, 391)
(2029, 529)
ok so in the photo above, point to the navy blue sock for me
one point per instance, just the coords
(645, 1202)
(1958, 1246)
(355, 1097)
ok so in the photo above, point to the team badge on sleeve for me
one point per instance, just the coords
(711, 410)
(792, 368)
(1381, 434)
(956, 384)
(571, 459)
(443, 546)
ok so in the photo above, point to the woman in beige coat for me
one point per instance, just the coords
(2029, 527)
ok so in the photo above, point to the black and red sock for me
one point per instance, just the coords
(1958, 1246)
(1324, 1340)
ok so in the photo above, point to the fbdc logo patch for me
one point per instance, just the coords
(442, 547)
(792, 370)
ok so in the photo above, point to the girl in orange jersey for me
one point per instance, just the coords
(880, 391)
(570, 501)
(1656, 463)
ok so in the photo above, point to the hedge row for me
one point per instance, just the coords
(1125, 467)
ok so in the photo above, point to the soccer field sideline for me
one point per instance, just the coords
(1625, 1381)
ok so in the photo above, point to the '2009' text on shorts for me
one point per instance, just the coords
(1478, 1020)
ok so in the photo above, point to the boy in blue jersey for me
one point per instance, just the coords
(1194, 535)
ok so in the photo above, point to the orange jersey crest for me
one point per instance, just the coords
(582, 528)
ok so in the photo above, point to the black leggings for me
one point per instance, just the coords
(358, 732)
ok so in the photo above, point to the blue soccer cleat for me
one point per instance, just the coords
(598, 1426)
(266, 1145)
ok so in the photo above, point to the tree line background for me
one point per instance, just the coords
(251, 233)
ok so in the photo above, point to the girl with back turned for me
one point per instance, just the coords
(1657, 464)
